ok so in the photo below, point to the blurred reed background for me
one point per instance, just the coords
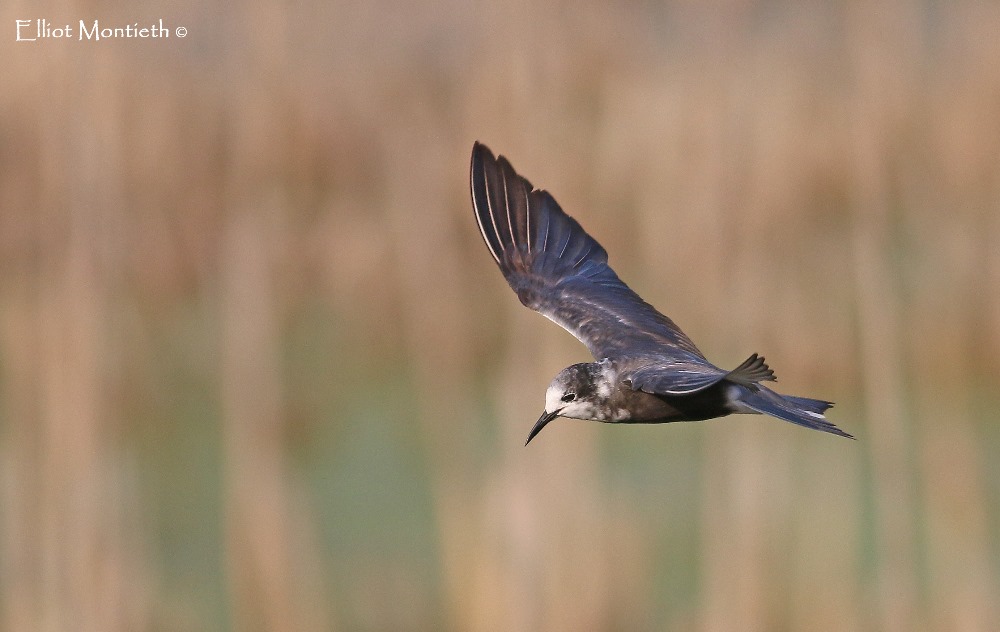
(258, 372)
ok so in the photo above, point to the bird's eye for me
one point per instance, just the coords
(568, 397)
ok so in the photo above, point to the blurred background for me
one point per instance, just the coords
(258, 371)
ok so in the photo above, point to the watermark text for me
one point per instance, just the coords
(40, 29)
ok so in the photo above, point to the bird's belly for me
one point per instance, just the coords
(646, 408)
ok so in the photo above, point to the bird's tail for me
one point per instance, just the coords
(798, 410)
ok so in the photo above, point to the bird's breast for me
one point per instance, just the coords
(631, 406)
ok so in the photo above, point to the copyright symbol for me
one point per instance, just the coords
(181, 31)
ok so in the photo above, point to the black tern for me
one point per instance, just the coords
(647, 370)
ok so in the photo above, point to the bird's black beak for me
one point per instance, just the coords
(544, 419)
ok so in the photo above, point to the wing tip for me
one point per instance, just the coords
(501, 200)
(482, 159)
(751, 371)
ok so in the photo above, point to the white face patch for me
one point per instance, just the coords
(581, 410)
(553, 399)
(576, 409)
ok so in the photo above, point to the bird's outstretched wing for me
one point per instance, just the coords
(683, 377)
(560, 271)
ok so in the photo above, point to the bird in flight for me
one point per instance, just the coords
(647, 370)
